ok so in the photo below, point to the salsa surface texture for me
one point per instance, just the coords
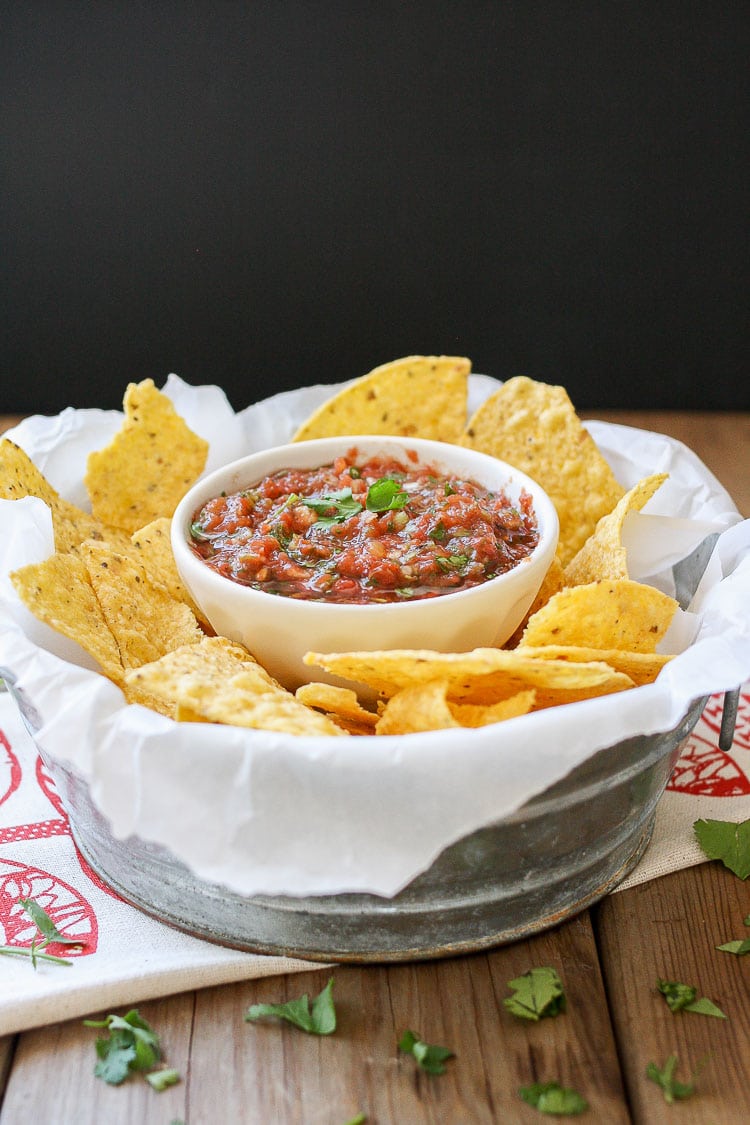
(364, 530)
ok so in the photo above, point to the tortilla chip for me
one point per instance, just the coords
(59, 592)
(534, 427)
(620, 614)
(427, 707)
(418, 396)
(484, 675)
(195, 679)
(143, 617)
(339, 703)
(19, 477)
(603, 554)
(148, 466)
(641, 667)
(153, 548)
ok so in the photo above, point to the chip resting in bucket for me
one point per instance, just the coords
(603, 554)
(534, 427)
(149, 464)
(483, 676)
(19, 478)
(418, 396)
(619, 614)
(217, 681)
(427, 707)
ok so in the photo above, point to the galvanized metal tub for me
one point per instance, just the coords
(562, 851)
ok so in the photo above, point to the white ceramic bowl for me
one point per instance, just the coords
(278, 631)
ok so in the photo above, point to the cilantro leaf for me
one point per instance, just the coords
(681, 997)
(538, 993)
(430, 1057)
(385, 495)
(45, 925)
(728, 841)
(672, 1089)
(131, 1045)
(335, 507)
(321, 1020)
(47, 932)
(739, 948)
(677, 995)
(552, 1098)
(160, 1079)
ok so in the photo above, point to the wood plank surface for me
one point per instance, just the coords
(273, 1073)
(669, 929)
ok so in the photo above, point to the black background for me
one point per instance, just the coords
(263, 195)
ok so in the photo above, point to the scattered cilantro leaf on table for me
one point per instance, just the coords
(318, 1020)
(160, 1079)
(739, 947)
(538, 993)
(684, 997)
(47, 934)
(554, 1099)
(429, 1056)
(130, 1045)
(728, 841)
(672, 1089)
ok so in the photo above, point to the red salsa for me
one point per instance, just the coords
(364, 531)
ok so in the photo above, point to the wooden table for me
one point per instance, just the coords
(609, 958)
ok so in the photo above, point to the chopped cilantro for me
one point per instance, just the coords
(429, 1056)
(672, 1089)
(451, 562)
(130, 1045)
(728, 841)
(160, 1079)
(438, 533)
(552, 1098)
(681, 997)
(320, 1020)
(385, 495)
(739, 947)
(335, 507)
(538, 993)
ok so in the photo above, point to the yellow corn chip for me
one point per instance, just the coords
(619, 614)
(19, 477)
(148, 466)
(418, 396)
(641, 667)
(603, 554)
(484, 676)
(59, 592)
(153, 549)
(144, 618)
(427, 707)
(534, 427)
(202, 691)
(339, 703)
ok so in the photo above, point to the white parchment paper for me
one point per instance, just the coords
(262, 812)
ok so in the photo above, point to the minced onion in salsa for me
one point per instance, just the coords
(364, 530)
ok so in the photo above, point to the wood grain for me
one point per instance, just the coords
(669, 929)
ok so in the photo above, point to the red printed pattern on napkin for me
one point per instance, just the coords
(703, 769)
(68, 908)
